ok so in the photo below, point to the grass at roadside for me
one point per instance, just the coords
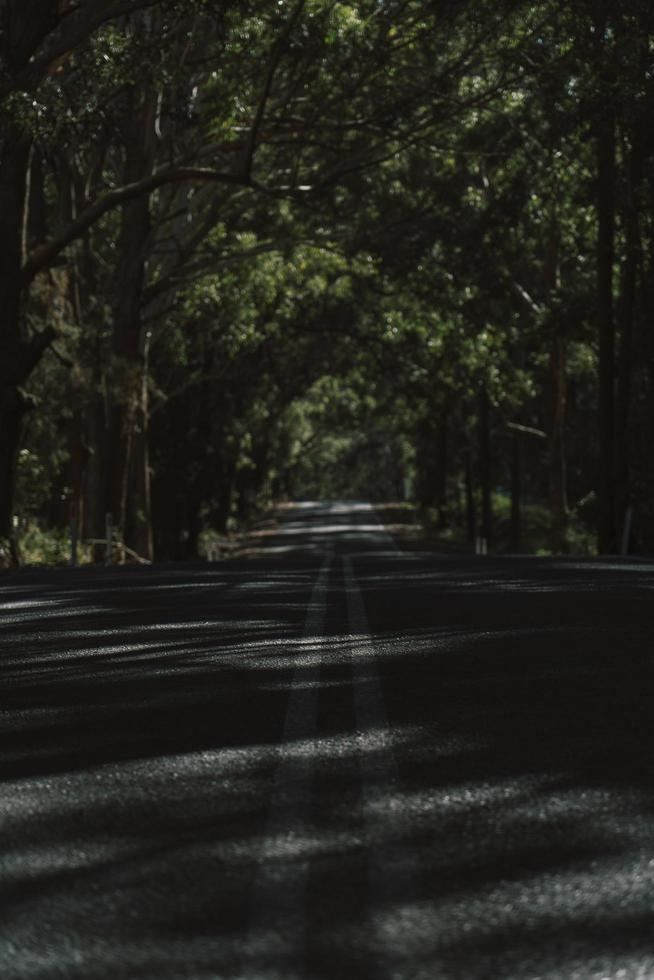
(412, 528)
(415, 529)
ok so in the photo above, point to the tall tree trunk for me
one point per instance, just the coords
(441, 466)
(485, 466)
(556, 443)
(20, 351)
(222, 505)
(425, 484)
(13, 406)
(128, 366)
(471, 523)
(190, 547)
(79, 457)
(142, 527)
(516, 491)
(94, 474)
(626, 324)
(85, 290)
(605, 144)
(23, 24)
(556, 389)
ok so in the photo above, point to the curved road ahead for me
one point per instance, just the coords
(334, 761)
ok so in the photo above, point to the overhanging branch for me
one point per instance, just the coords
(72, 31)
(45, 254)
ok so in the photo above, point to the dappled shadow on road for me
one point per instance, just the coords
(537, 834)
(138, 748)
(119, 665)
(142, 713)
(311, 527)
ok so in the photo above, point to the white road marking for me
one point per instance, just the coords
(392, 864)
(277, 927)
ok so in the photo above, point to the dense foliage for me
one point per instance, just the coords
(397, 249)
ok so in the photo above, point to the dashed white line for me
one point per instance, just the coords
(392, 865)
(277, 927)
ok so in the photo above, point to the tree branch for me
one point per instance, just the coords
(45, 254)
(273, 64)
(528, 429)
(69, 34)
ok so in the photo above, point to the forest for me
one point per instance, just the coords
(259, 250)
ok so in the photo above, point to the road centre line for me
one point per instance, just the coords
(368, 698)
(392, 865)
(277, 924)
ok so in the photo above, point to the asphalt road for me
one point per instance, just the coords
(337, 761)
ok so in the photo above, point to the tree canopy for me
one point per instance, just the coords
(385, 248)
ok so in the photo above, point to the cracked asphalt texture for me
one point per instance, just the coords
(335, 761)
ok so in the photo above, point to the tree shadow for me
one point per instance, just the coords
(143, 713)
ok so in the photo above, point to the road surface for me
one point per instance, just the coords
(336, 761)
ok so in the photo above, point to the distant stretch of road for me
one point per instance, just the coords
(336, 761)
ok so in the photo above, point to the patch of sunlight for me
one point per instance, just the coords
(295, 527)
(30, 603)
(50, 614)
(446, 801)
(37, 859)
(304, 844)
